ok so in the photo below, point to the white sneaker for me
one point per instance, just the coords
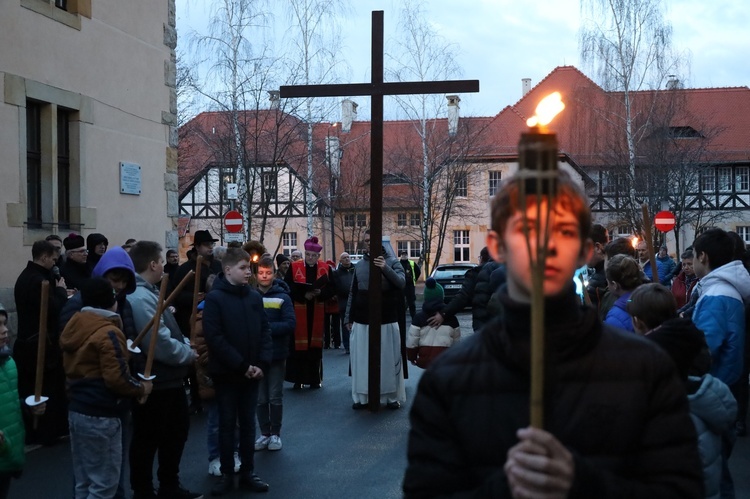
(262, 442)
(214, 467)
(237, 463)
(274, 443)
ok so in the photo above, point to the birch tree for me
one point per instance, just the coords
(627, 45)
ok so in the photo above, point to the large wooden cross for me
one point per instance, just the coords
(376, 89)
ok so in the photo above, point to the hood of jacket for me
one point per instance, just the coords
(713, 403)
(732, 275)
(85, 323)
(277, 286)
(92, 240)
(116, 258)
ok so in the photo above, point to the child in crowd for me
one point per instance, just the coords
(712, 405)
(12, 431)
(623, 276)
(616, 420)
(424, 342)
(95, 357)
(240, 351)
(281, 318)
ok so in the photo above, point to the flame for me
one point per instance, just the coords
(634, 242)
(546, 110)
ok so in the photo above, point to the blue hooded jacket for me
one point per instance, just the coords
(114, 258)
(280, 312)
(618, 315)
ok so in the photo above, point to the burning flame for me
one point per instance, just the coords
(634, 242)
(546, 110)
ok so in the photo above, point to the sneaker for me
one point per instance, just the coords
(237, 463)
(178, 493)
(253, 483)
(214, 467)
(274, 443)
(223, 485)
(262, 442)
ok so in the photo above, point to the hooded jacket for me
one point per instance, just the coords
(424, 342)
(115, 258)
(236, 329)
(92, 241)
(279, 309)
(12, 454)
(618, 315)
(95, 357)
(713, 410)
(173, 354)
(613, 399)
(720, 314)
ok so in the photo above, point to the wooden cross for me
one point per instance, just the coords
(376, 89)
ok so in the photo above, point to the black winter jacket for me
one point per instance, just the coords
(612, 399)
(236, 329)
(485, 286)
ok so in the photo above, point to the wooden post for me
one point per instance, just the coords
(137, 341)
(41, 348)
(155, 330)
(196, 292)
(649, 243)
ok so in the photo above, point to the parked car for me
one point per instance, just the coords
(451, 277)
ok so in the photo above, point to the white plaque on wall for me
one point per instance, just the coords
(234, 237)
(130, 178)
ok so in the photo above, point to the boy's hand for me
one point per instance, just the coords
(38, 410)
(254, 372)
(539, 466)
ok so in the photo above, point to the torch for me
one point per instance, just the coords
(38, 398)
(537, 188)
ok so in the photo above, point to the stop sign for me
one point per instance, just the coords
(664, 221)
(233, 221)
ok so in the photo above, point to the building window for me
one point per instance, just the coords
(708, 181)
(349, 220)
(461, 249)
(744, 232)
(462, 187)
(742, 179)
(361, 220)
(48, 129)
(401, 219)
(61, 4)
(495, 178)
(351, 247)
(415, 219)
(288, 242)
(412, 248)
(270, 187)
(621, 231)
(725, 179)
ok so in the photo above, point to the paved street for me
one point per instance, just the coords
(329, 450)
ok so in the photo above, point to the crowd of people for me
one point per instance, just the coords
(136, 342)
(645, 379)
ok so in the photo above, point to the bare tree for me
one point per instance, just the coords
(628, 46)
(314, 36)
(421, 55)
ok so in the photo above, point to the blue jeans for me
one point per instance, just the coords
(212, 429)
(96, 445)
(270, 394)
(237, 399)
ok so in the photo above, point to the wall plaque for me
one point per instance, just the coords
(130, 178)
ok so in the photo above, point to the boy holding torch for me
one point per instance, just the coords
(615, 419)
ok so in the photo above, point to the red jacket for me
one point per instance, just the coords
(681, 290)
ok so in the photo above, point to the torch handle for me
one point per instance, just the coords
(196, 292)
(649, 243)
(155, 330)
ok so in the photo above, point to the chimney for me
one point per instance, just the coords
(453, 108)
(273, 97)
(348, 114)
(525, 86)
(673, 82)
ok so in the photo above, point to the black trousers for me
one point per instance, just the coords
(160, 425)
(331, 330)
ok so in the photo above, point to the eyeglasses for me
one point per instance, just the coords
(81, 250)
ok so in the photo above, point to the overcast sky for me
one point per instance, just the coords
(502, 41)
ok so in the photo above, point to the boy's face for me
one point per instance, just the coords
(238, 273)
(566, 252)
(3, 330)
(700, 265)
(265, 276)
